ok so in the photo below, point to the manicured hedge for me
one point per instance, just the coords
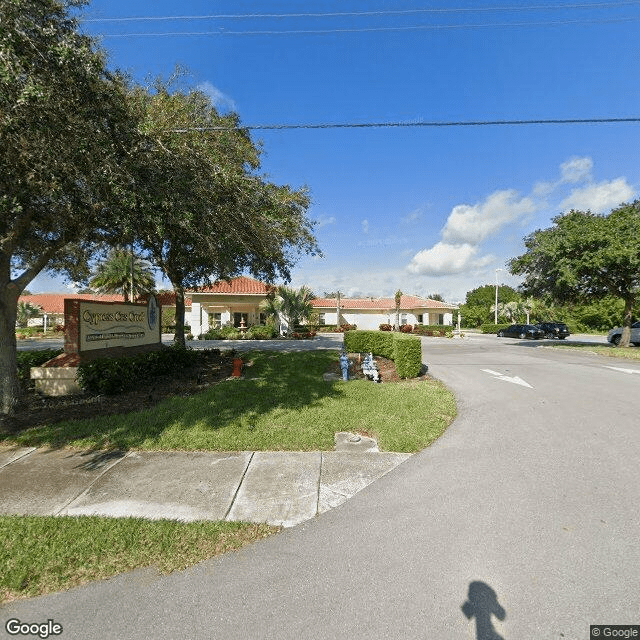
(433, 329)
(405, 350)
(407, 355)
(494, 328)
(28, 359)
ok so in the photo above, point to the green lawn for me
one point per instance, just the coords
(283, 404)
(42, 554)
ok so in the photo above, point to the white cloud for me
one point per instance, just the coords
(473, 224)
(600, 197)
(576, 169)
(220, 100)
(444, 259)
(323, 221)
(365, 226)
(416, 214)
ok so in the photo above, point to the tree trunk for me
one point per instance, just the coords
(179, 334)
(9, 385)
(625, 339)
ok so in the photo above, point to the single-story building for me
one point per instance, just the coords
(370, 313)
(242, 300)
(239, 301)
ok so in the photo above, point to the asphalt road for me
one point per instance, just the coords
(521, 522)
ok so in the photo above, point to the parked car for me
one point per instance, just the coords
(521, 331)
(554, 329)
(615, 335)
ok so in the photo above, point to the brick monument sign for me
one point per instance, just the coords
(96, 329)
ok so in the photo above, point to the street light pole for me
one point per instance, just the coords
(495, 308)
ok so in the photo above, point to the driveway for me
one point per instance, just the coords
(520, 522)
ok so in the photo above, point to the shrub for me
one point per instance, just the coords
(407, 355)
(406, 328)
(494, 328)
(343, 328)
(59, 328)
(385, 327)
(28, 359)
(259, 332)
(433, 330)
(326, 328)
(212, 334)
(115, 375)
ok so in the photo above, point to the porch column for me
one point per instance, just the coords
(204, 315)
(196, 315)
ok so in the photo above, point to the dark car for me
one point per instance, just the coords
(615, 335)
(521, 331)
(555, 329)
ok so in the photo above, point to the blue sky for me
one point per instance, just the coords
(426, 210)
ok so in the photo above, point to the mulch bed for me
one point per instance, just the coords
(38, 409)
(386, 368)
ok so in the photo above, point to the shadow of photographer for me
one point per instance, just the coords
(482, 604)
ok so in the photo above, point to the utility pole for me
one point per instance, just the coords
(495, 308)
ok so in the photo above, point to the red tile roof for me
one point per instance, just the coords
(54, 302)
(243, 284)
(385, 304)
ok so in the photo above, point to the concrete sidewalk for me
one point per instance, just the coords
(278, 487)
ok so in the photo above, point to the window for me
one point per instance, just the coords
(263, 319)
(441, 318)
(215, 320)
(403, 319)
(321, 318)
(419, 318)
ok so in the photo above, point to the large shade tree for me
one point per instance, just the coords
(203, 212)
(478, 306)
(64, 134)
(585, 257)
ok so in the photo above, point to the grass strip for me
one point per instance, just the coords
(282, 404)
(43, 554)
(631, 353)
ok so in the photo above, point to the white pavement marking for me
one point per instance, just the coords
(513, 379)
(623, 370)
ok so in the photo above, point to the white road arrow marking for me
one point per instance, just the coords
(623, 370)
(513, 379)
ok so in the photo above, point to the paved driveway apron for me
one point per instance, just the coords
(520, 523)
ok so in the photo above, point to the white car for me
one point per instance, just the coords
(615, 335)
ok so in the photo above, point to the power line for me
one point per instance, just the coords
(548, 7)
(417, 123)
(430, 27)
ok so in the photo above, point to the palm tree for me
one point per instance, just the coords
(294, 305)
(398, 299)
(114, 275)
(26, 310)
